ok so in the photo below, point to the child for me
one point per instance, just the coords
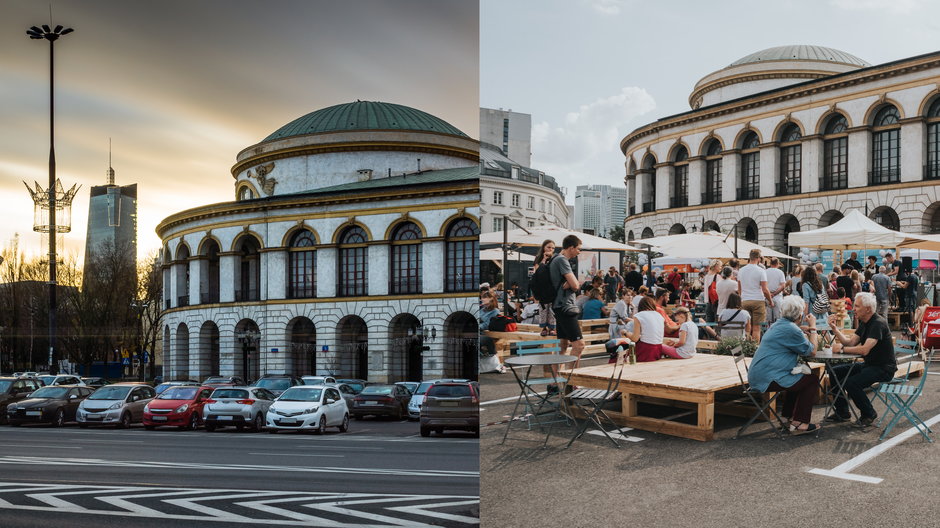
(688, 335)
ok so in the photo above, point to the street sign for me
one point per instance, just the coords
(326, 348)
(126, 361)
(274, 350)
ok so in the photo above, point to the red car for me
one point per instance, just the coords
(180, 406)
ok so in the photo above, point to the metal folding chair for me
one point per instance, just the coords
(535, 403)
(763, 404)
(906, 352)
(900, 399)
(591, 402)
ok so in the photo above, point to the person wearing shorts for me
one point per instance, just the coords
(752, 286)
(567, 314)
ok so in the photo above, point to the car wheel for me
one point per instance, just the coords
(343, 427)
(125, 421)
(59, 419)
(258, 424)
(210, 428)
(193, 423)
(321, 427)
(425, 432)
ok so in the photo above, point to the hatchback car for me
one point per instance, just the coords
(278, 383)
(347, 392)
(120, 404)
(221, 381)
(13, 390)
(356, 384)
(54, 405)
(238, 407)
(309, 407)
(417, 399)
(167, 384)
(318, 380)
(180, 406)
(412, 386)
(451, 406)
(62, 379)
(381, 400)
(95, 382)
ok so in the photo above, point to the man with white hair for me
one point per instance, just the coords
(872, 341)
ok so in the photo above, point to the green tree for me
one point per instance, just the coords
(617, 234)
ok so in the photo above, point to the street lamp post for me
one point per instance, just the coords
(248, 337)
(139, 308)
(51, 35)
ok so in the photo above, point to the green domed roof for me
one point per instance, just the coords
(364, 115)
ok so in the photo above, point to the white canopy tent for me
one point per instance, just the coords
(854, 231)
(537, 235)
(706, 245)
(496, 255)
(921, 242)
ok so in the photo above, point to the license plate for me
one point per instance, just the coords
(448, 404)
(371, 403)
(288, 421)
(225, 417)
(159, 418)
(33, 413)
(93, 416)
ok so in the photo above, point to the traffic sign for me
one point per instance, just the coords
(126, 361)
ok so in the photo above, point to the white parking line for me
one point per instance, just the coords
(618, 434)
(843, 470)
(33, 446)
(296, 454)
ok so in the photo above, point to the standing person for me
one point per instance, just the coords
(776, 283)
(711, 293)
(633, 279)
(566, 287)
(865, 284)
(650, 278)
(912, 282)
(845, 281)
(674, 279)
(812, 288)
(872, 266)
(872, 341)
(726, 286)
(752, 287)
(882, 284)
(546, 315)
(856, 283)
(611, 285)
(795, 280)
(853, 262)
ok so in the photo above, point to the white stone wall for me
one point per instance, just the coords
(555, 214)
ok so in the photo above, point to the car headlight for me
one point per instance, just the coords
(147, 408)
(116, 405)
(11, 407)
(312, 410)
(182, 408)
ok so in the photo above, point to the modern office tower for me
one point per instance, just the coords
(112, 220)
(510, 131)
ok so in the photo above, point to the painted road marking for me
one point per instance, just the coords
(618, 434)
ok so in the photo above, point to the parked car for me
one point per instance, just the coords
(347, 392)
(120, 404)
(95, 382)
(412, 386)
(62, 379)
(179, 405)
(54, 405)
(178, 383)
(417, 399)
(13, 390)
(451, 406)
(356, 384)
(278, 383)
(26, 374)
(309, 407)
(222, 381)
(238, 407)
(318, 380)
(381, 400)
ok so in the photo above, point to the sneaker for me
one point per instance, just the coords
(838, 418)
(544, 332)
(866, 421)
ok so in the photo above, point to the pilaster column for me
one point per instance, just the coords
(912, 149)
(663, 186)
(769, 170)
(811, 171)
(227, 276)
(730, 176)
(696, 180)
(859, 158)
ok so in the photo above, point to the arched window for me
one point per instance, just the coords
(791, 160)
(649, 191)
(245, 193)
(248, 279)
(680, 178)
(209, 272)
(182, 275)
(835, 154)
(885, 147)
(750, 168)
(405, 259)
(353, 279)
(932, 170)
(461, 260)
(302, 266)
(712, 192)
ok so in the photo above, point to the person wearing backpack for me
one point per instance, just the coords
(711, 289)
(814, 294)
(541, 286)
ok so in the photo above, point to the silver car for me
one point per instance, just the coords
(237, 407)
(119, 404)
(417, 397)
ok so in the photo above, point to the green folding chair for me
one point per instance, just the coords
(537, 404)
(900, 399)
(906, 352)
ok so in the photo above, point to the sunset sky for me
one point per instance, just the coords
(181, 87)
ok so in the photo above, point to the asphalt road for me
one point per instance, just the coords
(656, 480)
(380, 473)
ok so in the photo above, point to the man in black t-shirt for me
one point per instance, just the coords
(872, 341)
(633, 278)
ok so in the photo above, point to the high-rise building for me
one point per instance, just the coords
(510, 131)
(598, 208)
(112, 219)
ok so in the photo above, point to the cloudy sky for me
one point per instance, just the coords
(181, 87)
(590, 71)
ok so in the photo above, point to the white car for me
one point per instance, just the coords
(61, 379)
(318, 380)
(308, 407)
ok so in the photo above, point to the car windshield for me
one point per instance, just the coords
(452, 391)
(217, 379)
(229, 393)
(110, 393)
(377, 389)
(179, 393)
(274, 383)
(357, 387)
(50, 392)
(423, 388)
(314, 381)
(301, 395)
(5, 384)
(47, 380)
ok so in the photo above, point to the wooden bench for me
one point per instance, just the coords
(505, 340)
(894, 319)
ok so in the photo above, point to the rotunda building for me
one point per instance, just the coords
(789, 139)
(350, 250)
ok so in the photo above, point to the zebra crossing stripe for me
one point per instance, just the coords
(423, 510)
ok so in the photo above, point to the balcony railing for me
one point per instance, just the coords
(648, 206)
(786, 188)
(679, 201)
(183, 300)
(932, 171)
(747, 193)
(246, 295)
(711, 198)
(884, 176)
(834, 182)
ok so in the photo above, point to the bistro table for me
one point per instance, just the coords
(834, 380)
(535, 401)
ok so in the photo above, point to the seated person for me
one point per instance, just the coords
(774, 367)
(530, 311)
(872, 341)
(648, 327)
(594, 307)
(672, 327)
(489, 360)
(733, 321)
(621, 315)
(688, 335)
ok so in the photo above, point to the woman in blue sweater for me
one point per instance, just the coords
(774, 367)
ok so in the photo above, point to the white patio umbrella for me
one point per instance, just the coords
(854, 231)
(706, 245)
(921, 242)
(537, 235)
